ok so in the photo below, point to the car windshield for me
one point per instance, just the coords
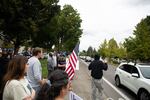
(145, 72)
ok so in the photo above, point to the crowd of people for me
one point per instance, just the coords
(21, 77)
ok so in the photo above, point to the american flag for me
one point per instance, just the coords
(72, 62)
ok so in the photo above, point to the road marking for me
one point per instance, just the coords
(113, 99)
(118, 91)
(109, 99)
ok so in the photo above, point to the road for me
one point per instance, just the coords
(82, 85)
(110, 89)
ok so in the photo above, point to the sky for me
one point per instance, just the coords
(106, 19)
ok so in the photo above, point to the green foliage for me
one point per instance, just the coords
(103, 49)
(112, 50)
(69, 28)
(7, 45)
(83, 53)
(130, 45)
(94, 52)
(22, 20)
(40, 23)
(121, 52)
(44, 68)
(112, 47)
(89, 51)
(139, 46)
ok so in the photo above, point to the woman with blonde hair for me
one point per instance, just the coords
(15, 85)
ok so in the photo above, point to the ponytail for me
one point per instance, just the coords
(44, 92)
(52, 89)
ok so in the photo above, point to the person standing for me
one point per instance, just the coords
(57, 87)
(50, 65)
(3, 64)
(61, 64)
(15, 85)
(55, 59)
(28, 53)
(97, 68)
(34, 73)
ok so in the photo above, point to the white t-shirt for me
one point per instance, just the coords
(55, 61)
(17, 90)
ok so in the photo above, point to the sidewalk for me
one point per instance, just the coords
(82, 83)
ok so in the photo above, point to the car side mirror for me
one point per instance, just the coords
(135, 75)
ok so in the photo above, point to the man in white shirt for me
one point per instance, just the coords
(55, 59)
(34, 73)
(50, 65)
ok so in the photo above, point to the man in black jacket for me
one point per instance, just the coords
(97, 68)
(3, 64)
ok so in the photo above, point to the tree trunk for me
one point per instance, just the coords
(16, 46)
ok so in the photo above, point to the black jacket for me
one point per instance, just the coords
(97, 68)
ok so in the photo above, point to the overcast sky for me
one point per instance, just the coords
(106, 19)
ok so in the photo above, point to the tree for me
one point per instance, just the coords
(69, 28)
(130, 46)
(89, 51)
(103, 49)
(47, 36)
(121, 52)
(94, 52)
(112, 50)
(22, 20)
(112, 47)
(83, 53)
(139, 46)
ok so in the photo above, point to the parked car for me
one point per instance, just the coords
(82, 57)
(136, 77)
(88, 59)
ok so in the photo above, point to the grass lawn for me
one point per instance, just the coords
(44, 68)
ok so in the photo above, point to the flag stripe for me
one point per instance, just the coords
(74, 55)
(71, 72)
(72, 62)
(71, 77)
(73, 58)
(68, 69)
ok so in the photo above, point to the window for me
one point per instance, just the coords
(145, 72)
(134, 70)
(126, 68)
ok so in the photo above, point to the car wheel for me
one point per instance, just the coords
(117, 81)
(144, 95)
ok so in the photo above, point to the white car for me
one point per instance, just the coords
(88, 59)
(136, 77)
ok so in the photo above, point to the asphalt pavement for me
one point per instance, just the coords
(82, 84)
